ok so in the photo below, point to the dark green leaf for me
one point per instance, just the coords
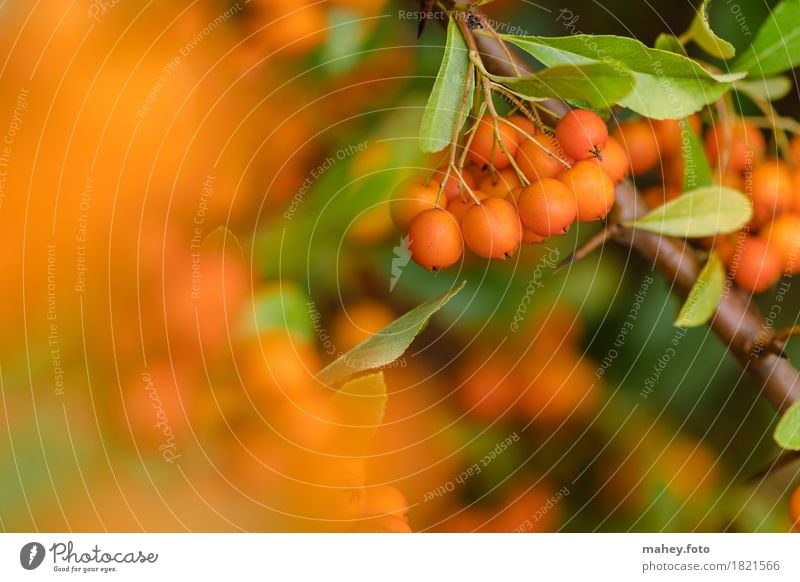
(387, 345)
(702, 212)
(700, 32)
(441, 113)
(668, 85)
(787, 433)
(596, 86)
(776, 47)
(704, 296)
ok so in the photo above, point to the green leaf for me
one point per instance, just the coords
(696, 169)
(704, 296)
(596, 86)
(702, 212)
(387, 345)
(700, 32)
(668, 86)
(279, 307)
(776, 47)
(670, 43)
(769, 88)
(441, 113)
(359, 406)
(787, 433)
(345, 37)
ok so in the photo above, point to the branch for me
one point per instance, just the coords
(737, 321)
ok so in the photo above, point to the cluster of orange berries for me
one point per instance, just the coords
(570, 175)
(769, 245)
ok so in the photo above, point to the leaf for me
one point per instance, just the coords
(279, 307)
(769, 88)
(444, 103)
(704, 296)
(596, 86)
(359, 406)
(702, 212)
(387, 345)
(776, 47)
(668, 86)
(669, 42)
(787, 433)
(346, 32)
(700, 32)
(696, 169)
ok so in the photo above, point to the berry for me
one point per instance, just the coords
(783, 237)
(656, 196)
(582, 134)
(411, 199)
(547, 208)
(639, 141)
(500, 184)
(771, 189)
(669, 134)
(758, 268)
(524, 124)
(592, 189)
(485, 151)
(614, 160)
(492, 230)
(488, 388)
(531, 238)
(385, 501)
(458, 207)
(435, 239)
(794, 508)
(357, 322)
(534, 161)
(745, 145)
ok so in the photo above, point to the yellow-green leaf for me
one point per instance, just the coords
(705, 294)
(702, 212)
(701, 33)
(787, 433)
(769, 88)
(359, 406)
(387, 345)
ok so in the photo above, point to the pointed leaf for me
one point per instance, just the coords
(704, 296)
(387, 345)
(668, 85)
(701, 33)
(596, 86)
(769, 88)
(776, 47)
(787, 433)
(441, 113)
(702, 212)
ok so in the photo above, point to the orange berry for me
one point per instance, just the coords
(458, 206)
(492, 229)
(485, 150)
(500, 183)
(435, 239)
(524, 124)
(453, 188)
(358, 322)
(771, 188)
(794, 508)
(547, 207)
(614, 160)
(745, 145)
(385, 501)
(531, 238)
(656, 196)
(582, 134)
(669, 134)
(794, 148)
(411, 199)
(539, 160)
(783, 237)
(487, 387)
(640, 143)
(592, 189)
(758, 268)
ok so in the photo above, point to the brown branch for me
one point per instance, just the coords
(737, 321)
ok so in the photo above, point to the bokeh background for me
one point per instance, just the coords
(194, 221)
